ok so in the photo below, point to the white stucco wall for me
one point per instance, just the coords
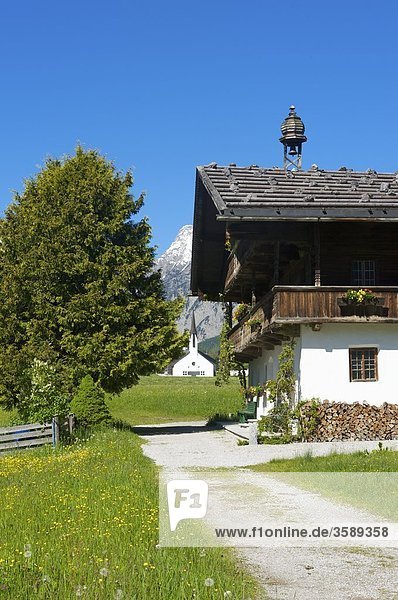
(194, 362)
(264, 367)
(260, 370)
(324, 362)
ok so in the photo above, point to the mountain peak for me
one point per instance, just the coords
(178, 254)
(175, 265)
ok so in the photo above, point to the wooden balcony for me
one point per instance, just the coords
(278, 314)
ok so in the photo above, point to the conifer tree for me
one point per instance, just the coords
(77, 285)
(88, 405)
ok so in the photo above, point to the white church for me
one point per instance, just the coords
(193, 363)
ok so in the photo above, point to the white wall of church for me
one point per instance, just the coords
(193, 364)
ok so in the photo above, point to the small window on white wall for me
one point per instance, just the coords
(363, 364)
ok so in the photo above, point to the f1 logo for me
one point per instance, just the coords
(187, 499)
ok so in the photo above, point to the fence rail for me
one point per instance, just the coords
(26, 436)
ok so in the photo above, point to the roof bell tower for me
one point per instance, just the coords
(292, 139)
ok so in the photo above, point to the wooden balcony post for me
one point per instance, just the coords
(277, 246)
(253, 298)
(317, 247)
(229, 309)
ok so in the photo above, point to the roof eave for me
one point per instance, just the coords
(327, 213)
(212, 190)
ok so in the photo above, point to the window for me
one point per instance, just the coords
(363, 364)
(202, 372)
(363, 272)
(185, 372)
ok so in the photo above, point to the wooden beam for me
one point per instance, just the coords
(317, 248)
(266, 345)
(284, 211)
(273, 339)
(271, 232)
(279, 336)
(250, 351)
(276, 262)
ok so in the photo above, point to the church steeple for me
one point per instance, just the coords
(193, 340)
(193, 325)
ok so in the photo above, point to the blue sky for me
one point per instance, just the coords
(161, 86)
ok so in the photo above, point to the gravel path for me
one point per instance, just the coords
(324, 573)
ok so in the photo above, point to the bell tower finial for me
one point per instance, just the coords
(292, 139)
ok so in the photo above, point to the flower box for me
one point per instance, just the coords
(361, 309)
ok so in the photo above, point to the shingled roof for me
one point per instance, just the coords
(245, 196)
(258, 193)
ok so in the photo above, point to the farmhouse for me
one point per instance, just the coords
(193, 363)
(297, 247)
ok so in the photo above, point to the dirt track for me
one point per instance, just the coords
(324, 573)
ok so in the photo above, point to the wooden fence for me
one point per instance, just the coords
(33, 434)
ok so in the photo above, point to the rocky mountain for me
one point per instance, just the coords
(175, 265)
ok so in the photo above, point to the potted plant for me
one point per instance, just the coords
(241, 311)
(362, 303)
(254, 324)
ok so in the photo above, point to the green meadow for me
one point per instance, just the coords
(377, 461)
(365, 480)
(82, 520)
(158, 399)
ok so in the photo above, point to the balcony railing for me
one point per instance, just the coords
(285, 305)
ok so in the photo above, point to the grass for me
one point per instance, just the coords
(158, 399)
(372, 483)
(376, 461)
(82, 521)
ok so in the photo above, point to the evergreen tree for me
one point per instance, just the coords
(77, 285)
(88, 405)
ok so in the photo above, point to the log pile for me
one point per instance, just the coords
(335, 421)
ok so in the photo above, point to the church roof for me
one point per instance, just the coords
(185, 353)
(207, 356)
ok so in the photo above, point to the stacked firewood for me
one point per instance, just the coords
(332, 421)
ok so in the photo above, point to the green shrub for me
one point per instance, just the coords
(277, 421)
(89, 404)
(46, 398)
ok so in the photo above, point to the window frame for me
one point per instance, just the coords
(363, 349)
(362, 262)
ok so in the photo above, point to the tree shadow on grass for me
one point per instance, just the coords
(175, 429)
